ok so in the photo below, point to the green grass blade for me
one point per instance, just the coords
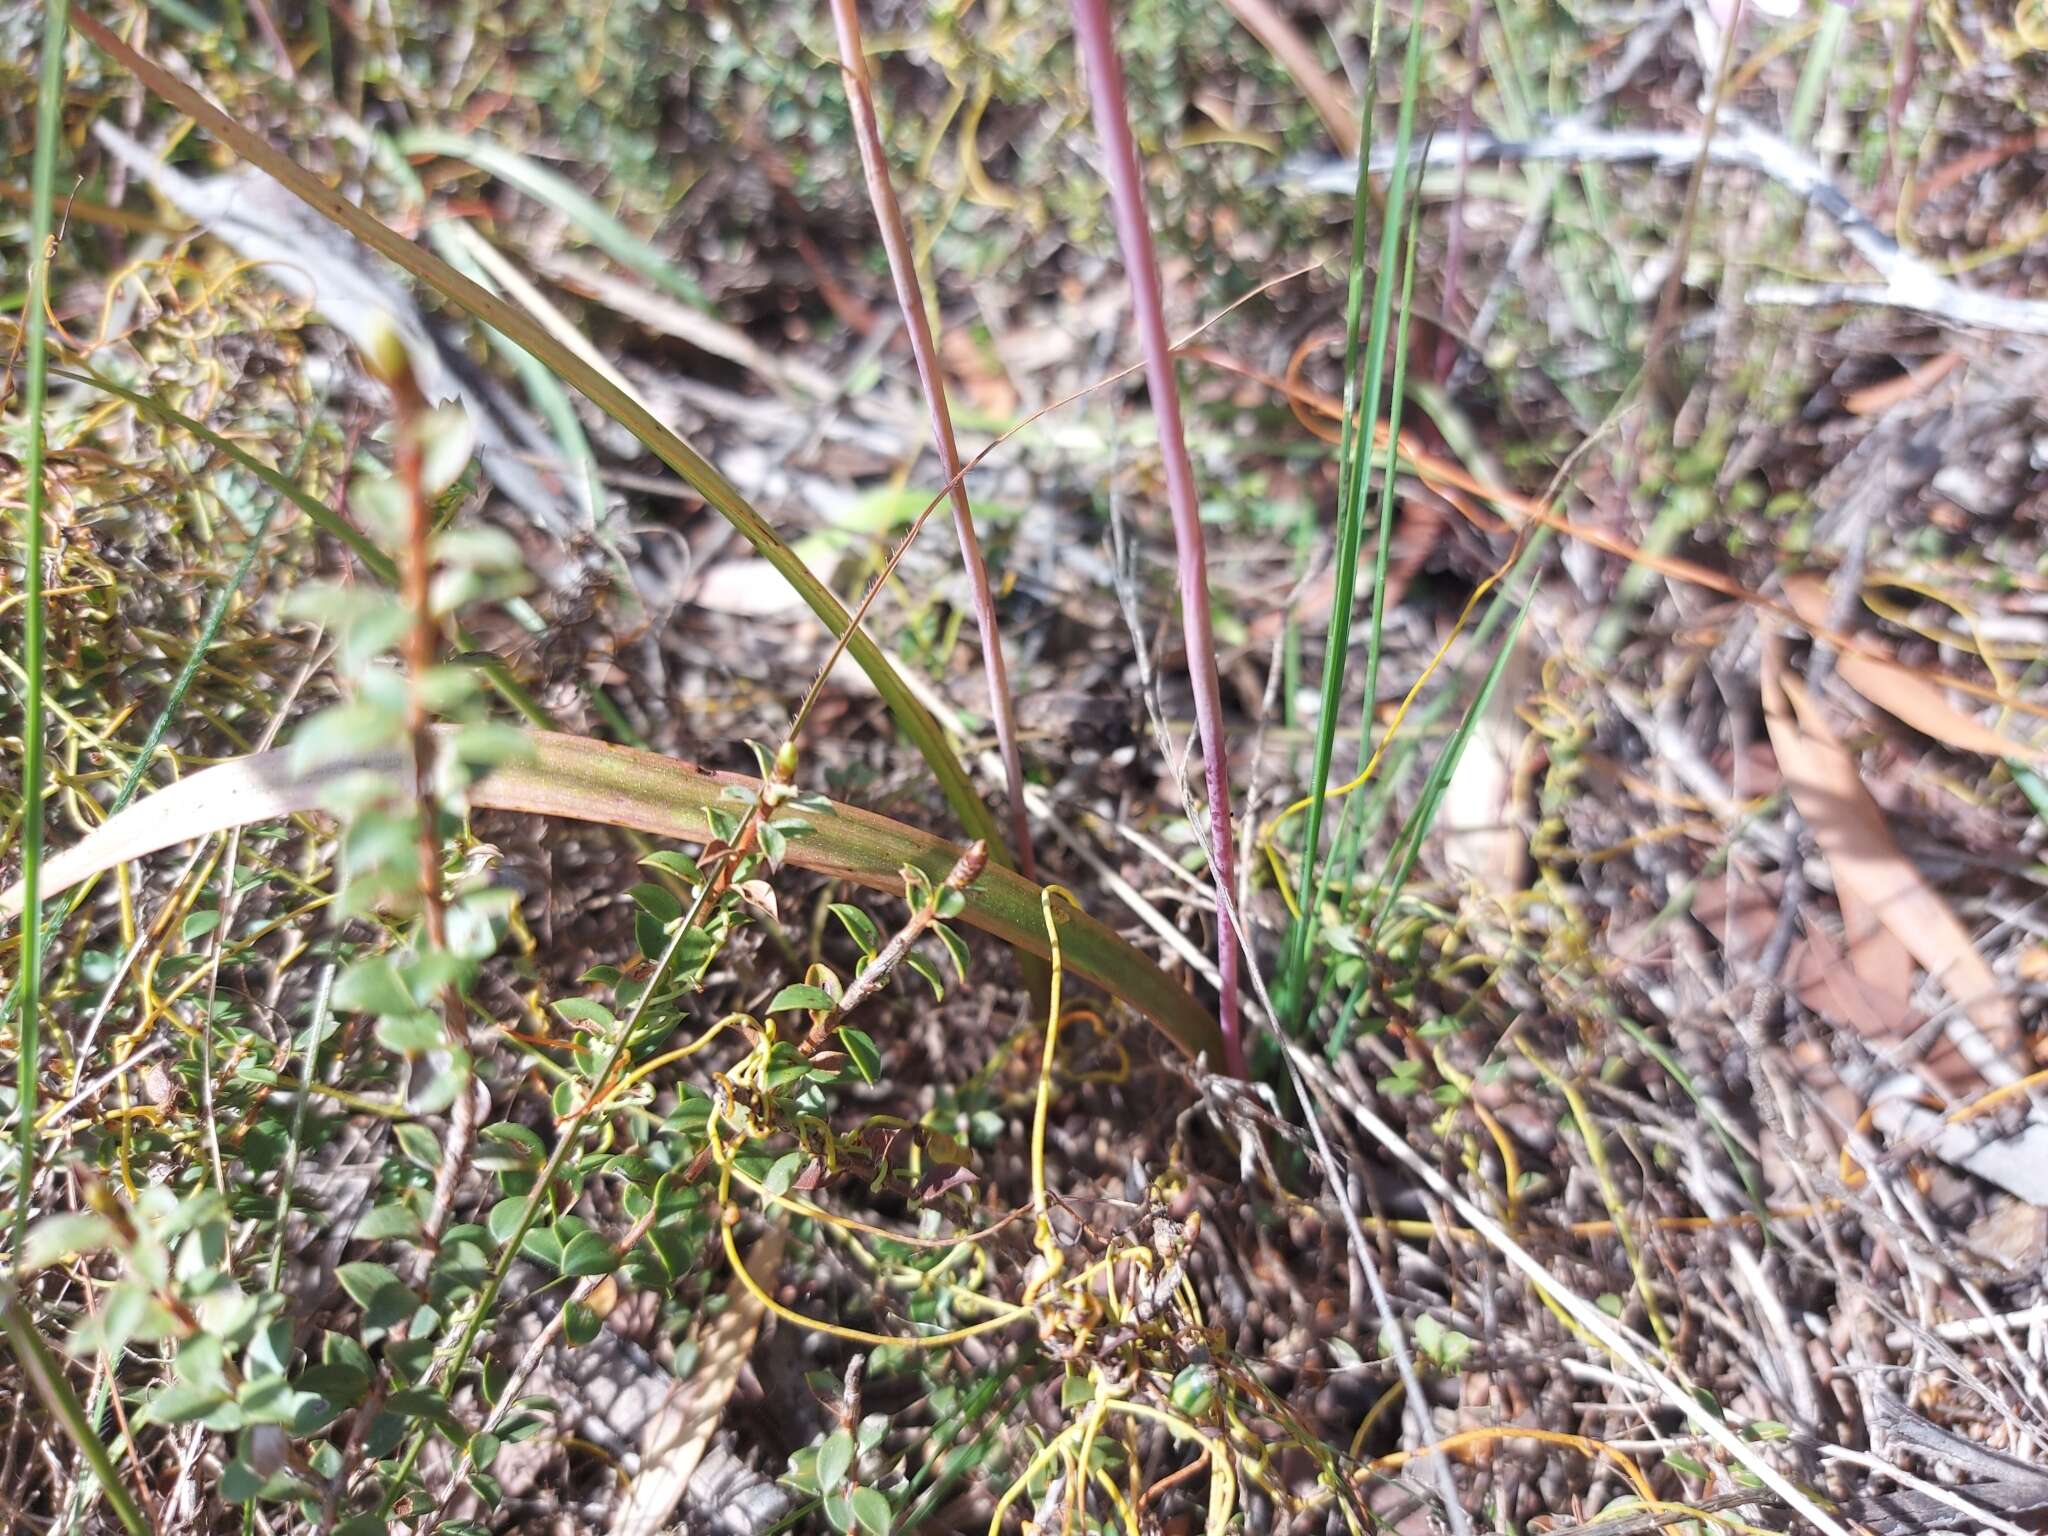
(911, 716)
(597, 223)
(35, 363)
(1362, 387)
(46, 1379)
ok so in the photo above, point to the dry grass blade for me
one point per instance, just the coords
(1328, 94)
(583, 780)
(674, 1440)
(1866, 861)
(1900, 690)
(910, 298)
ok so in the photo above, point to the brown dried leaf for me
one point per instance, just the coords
(1901, 691)
(1327, 93)
(1865, 859)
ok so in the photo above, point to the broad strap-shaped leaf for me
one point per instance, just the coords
(583, 780)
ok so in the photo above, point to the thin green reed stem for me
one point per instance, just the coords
(1355, 479)
(1343, 851)
(36, 360)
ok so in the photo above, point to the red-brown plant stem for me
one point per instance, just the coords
(421, 640)
(965, 871)
(910, 298)
(1093, 30)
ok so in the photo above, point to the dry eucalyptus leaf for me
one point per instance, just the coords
(1902, 692)
(1866, 860)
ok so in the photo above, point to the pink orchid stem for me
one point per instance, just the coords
(1095, 32)
(910, 297)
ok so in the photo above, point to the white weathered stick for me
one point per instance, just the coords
(1738, 144)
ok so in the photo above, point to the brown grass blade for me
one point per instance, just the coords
(1328, 94)
(1866, 861)
(583, 780)
(1901, 691)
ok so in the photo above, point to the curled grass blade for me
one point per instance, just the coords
(509, 321)
(583, 780)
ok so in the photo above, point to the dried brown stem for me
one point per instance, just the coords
(421, 640)
(910, 298)
(878, 970)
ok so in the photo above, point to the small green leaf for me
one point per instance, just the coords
(928, 971)
(372, 985)
(587, 1253)
(871, 1509)
(366, 1282)
(801, 996)
(956, 948)
(835, 1459)
(867, 1059)
(859, 925)
(657, 901)
(180, 1403)
(410, 1034)
(671, 862)
(55, 1236)
(777, 1180)
(387, 1221)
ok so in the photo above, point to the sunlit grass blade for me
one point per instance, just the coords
(917, 325)
(1097, 38)
(910, 715)
(35, 395)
